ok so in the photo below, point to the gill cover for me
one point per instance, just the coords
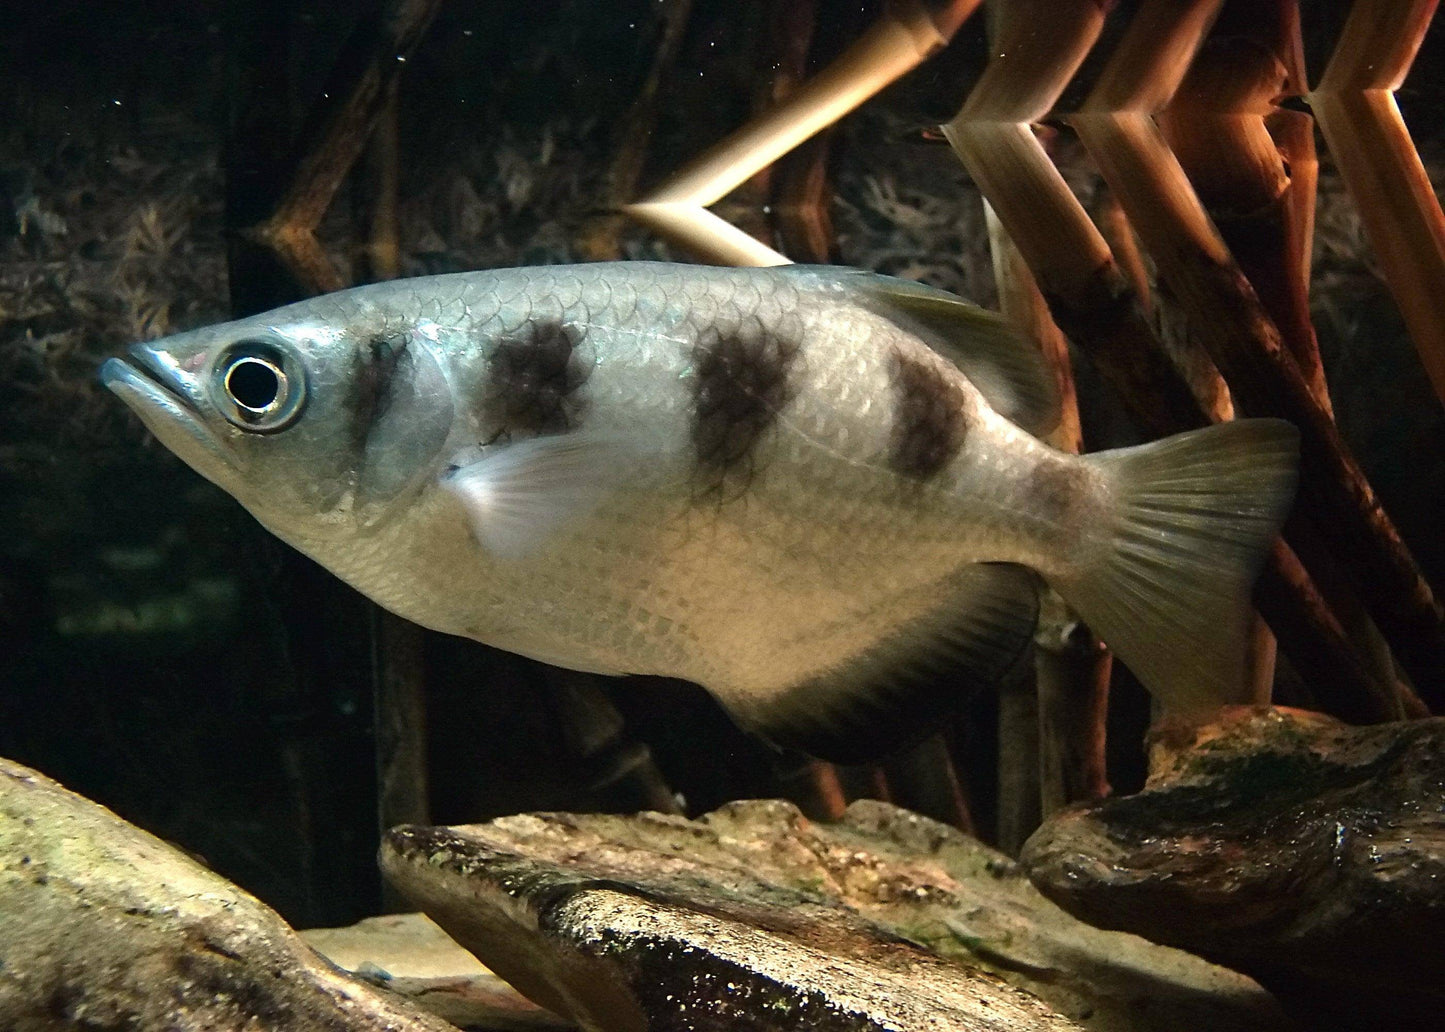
(400, 410)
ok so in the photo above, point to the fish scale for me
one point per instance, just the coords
(811, 490)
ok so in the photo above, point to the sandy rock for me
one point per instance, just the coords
(1302, 850)
(409, 955)
(104, 927)
(751, 917)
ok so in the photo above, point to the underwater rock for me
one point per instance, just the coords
(103, 926)
(1306, 852)
(753, 918)
(409, 955)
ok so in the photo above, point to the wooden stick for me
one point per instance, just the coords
(1219, 127)
(1096, 307)
(1072, 673)
(1018, 766)
(399, 717)
(1233, 326)
(1355, 105)
(1265, 380)
(596, 733)
(399, 704)
(371, 61)
(907, 34)
(600, 241)
(813, 785)
(259, 128)
(923, 780)
(379, 212)
(1071, 668)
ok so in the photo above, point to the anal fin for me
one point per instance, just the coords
(900, 690)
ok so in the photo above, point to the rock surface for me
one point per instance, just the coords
(1287, 844)
(409, 955)
(104, 927)
(753, 918)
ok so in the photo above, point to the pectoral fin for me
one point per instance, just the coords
(518, 495)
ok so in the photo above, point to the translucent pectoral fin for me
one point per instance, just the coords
(519, 495)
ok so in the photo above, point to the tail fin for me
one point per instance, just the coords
(1170, 591)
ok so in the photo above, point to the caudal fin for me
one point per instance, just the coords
(1169, 593)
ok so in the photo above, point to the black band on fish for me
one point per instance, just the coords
(535, 378)
(930, 418)
(377, 361)
(1058, 492)
(742, 381)
(400, 412)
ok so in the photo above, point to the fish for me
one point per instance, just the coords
(818, 492)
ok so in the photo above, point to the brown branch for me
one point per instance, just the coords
(1343, 679)
(1096, 307)
(596, 733)
(370, 63)
(380, 257)
(907, 34)
(399, 716)
(923, 780)
(1265, 380)
(1260, 199)
(1018, 766)
(1355, 105)
(813, 785)
(1072, 673)
(398, 668)
(1071, 667)
(600, 241)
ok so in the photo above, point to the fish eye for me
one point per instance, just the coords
(259, 386)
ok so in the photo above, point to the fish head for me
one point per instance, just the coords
(319, 426)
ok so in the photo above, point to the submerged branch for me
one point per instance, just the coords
(909, 32)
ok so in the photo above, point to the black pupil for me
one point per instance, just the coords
(253, 383)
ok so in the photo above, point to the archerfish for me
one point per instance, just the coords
(808, 489)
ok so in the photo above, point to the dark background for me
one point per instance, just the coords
(162, 654)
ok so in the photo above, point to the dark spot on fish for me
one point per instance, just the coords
(535, 376)
(377, 361)
(741, 384)
(930, 419)
(1057, 488)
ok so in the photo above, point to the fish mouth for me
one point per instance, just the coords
(166, 398)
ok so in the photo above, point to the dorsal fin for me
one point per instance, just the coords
(901, 690)
(997, 357)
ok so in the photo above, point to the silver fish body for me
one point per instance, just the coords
(794, 486)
